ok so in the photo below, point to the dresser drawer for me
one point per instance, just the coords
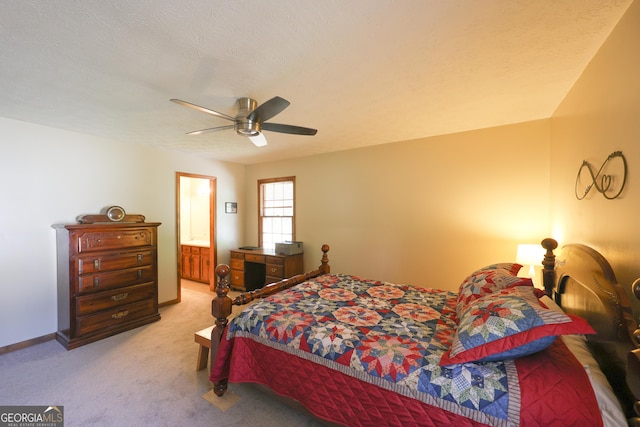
(94, 264)
(275, 270)
(237, 255)
(91, 303)
(254, 258)
(237, 278)
(116, 239)
(115, 317)
(113, 279)
(237, 264)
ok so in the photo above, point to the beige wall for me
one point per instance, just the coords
(600, 115)
(425, 212)
(51, 176)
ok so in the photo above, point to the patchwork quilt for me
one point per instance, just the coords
(363, 352)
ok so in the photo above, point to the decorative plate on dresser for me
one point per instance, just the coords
(107, 276)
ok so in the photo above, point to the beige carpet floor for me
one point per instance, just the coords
(143, 377)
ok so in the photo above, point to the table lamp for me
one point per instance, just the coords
(531, 255)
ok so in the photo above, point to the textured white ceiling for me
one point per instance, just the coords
(361, 72)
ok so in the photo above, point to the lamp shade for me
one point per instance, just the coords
(530, 254)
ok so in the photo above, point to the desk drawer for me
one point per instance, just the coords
(91, 303)
(237, 264)
(237, 278)
(275, 260)
(254, 258)
(115, 317)
(275, 270)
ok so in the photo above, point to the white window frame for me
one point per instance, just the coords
(276, 211)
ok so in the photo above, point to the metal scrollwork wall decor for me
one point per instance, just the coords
(601, 181)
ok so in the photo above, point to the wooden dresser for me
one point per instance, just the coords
(252, 269)
(195, 263)
(107, 278)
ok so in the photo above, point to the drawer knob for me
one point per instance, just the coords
(120, 314)
(96, 281)
(139, 274)
(139, 257)
(96, 264)
(120, 297)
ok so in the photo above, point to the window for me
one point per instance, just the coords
(276, 211)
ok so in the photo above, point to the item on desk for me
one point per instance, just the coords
(289, 248)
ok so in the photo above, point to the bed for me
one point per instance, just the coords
(356, 351)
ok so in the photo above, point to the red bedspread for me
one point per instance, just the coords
(344, 381)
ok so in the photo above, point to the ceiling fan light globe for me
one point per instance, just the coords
(258, 140)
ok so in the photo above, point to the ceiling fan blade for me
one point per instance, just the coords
(259, 140)
(198, 132)
(269, 109)
(296, 130)
(202, 109)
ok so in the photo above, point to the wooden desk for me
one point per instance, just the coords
(252, 269)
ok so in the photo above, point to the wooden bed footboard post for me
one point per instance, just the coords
(221, 310)
(549, 265)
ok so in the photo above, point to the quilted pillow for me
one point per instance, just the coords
(509, 324)
(484, 282)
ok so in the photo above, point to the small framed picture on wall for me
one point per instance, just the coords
(231, 207)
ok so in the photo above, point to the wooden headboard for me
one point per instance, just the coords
(582, 282)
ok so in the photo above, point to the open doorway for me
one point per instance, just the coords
(195, 217)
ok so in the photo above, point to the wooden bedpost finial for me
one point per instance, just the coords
(549, 244)
(549, 265)
(222, 271)
(324, 262)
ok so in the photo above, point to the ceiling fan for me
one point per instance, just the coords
(251, 119)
